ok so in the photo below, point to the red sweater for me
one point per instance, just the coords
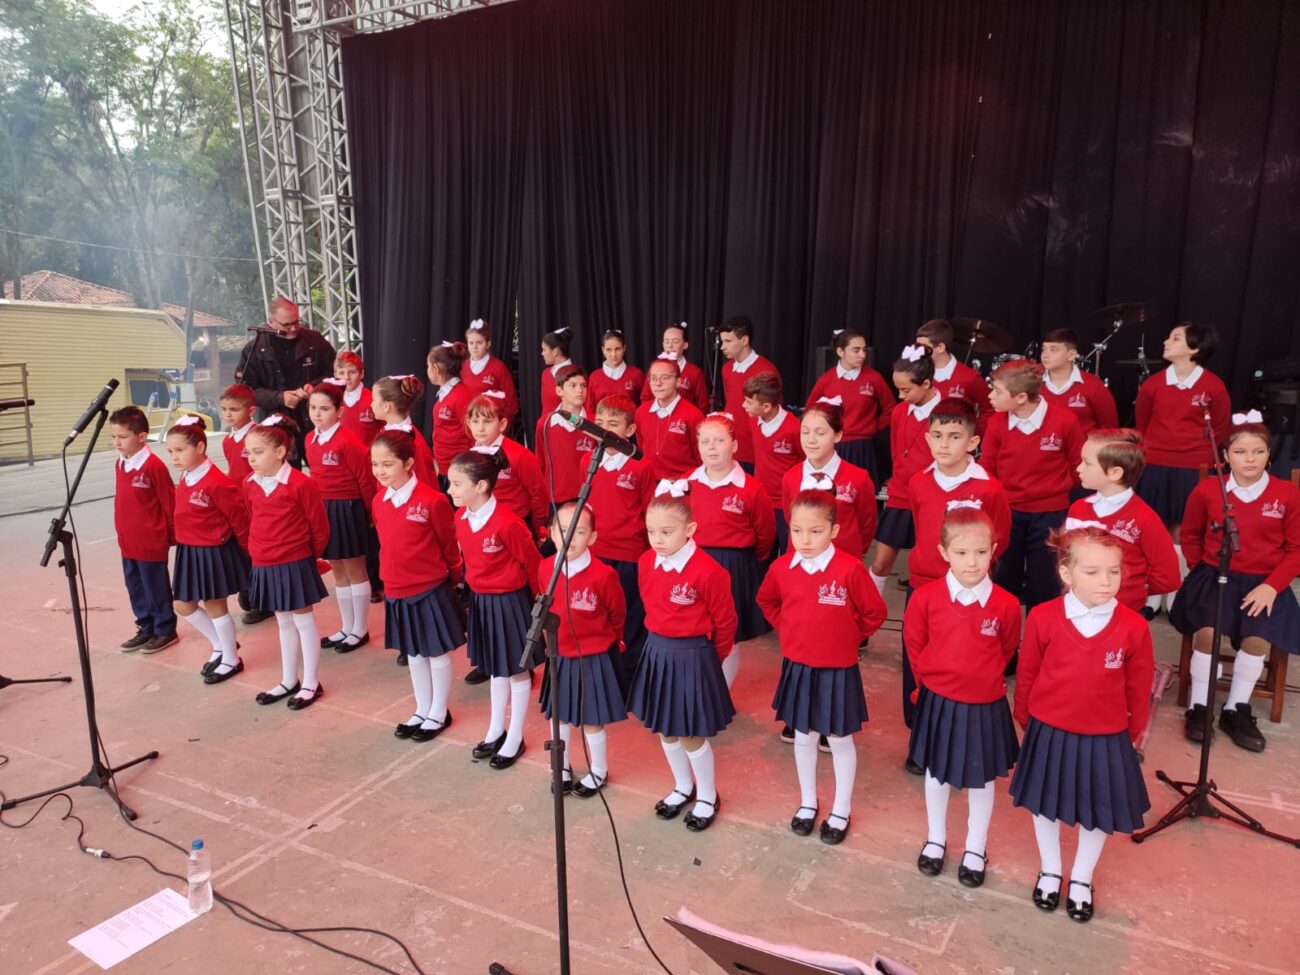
(144, 509)
(693, 602)
(500, 557)
(521, 486)
(960, 651)
(691, 386)
(930, 504)
(558, 451)
(1172, 420)
(821, 618)
(236, 454)
(733, 391)
(630, 384)
(1090, 402)
(1150, 564)
(776, 454)
(855, 505)
(450, 435)
(360, 418)
(341, 467)
(734, 517)
(1037, 469)
(1269, 528)
(669, 443)
(590, 606)
(868, 402)
(1096, 685)
(909, 447)
(211, 511)
(417, 542)
(619, 499)
(289, 524)
(496, 377)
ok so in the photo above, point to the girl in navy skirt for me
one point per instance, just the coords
(866, 398)
(960, 631)
(679, 691)
(288, 531)
(450, 434)
(589, 603)
(1082, 694)
(501, 570)
(737, 526)
(392, 400)
(211, 543)
(823, 605)
(555, 354)
(421, 563)
(520, 485)
(1259, 608)
(340, 464)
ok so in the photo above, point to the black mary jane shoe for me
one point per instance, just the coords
(566, 783)
(273, 697)
(834, 835)
(486, 749)
(330, 642)
(428, 734)
(502, 762)
(800, 826)
(584, 791)
(297, 703)
(968, 877)
(215, 662)
(476, 676)
(406, 730)
(1046, 902)
(343, 646)
(669, 810)
(1079, 911)
(931, 866)
(913, 768)
(698, 824)
(215, 676)
(401, 660)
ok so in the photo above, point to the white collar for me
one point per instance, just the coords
(1248, 493)
(135, 461)
(663, 412)
(352, 396)
(615, 372)
(1171, 378)
(973, 471)
(1107, 506)
(323, 436)
(402, 495)
(1074, 377)
(849, 374)
(830, 470)
(476, 366)
(239, 435)
(560, 365)
(1088, 620)
(740, 365)
(558, 419)
(677, 561)
(815, 564)
(613, 461)
(406, 425)
(923, 411)
(573, 566)
(960, 594)
(269, 484)
(736, 477)
(769, 427)
(447, 387)
(477, 519)
(944, 374)
(1032, 422)
(193, 477)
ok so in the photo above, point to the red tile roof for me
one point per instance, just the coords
(53, 286)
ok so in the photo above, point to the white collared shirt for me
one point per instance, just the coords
(613, 461)
(614, 372)
(1171, 378)
(1074, 377)
(269, 484)
(815, 564)
(406, 425)
(1107, 506)
(477, 519)
(768, 427)
(401, 495)
(1030, 423)
(740, 365)
(848, 374)
(572, 567)
(476, 366)
(944, 374)
(923, 411)
(677, 561)
(135, 461)
(558, 420)
(447, 387)
(193, 477)
(736, 477)
(1088, 620)
(973, 471)
(830, 470)
(560, 365)
(352, 396)
(1251, 492)
(960, 594)
(323, 436)
(663, 412)
(239, 435)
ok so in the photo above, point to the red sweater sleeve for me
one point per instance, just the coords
(1191, 536)
(166, 492)
(1288, 566)
(886, 401)
(722, 611)
(763, 519)
(993, 436)
(318, 522)
(1138, 672)
(617, 603)
(444, 525)
(229, 500)
(869, 609)
(916, 631)
(1220, 410)
(1073, 442)
(530, 477)
(769, 597)
(1000, 512)
(790, 482)
(1031, 659)
(866, 505)
(818, 390)
(358, 462)
(1010, 629)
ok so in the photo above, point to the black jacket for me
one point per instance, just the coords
(260, 368)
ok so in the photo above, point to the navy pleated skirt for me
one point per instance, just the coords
(1193, 609)
(1093, 781)
(498, 629)
(349, 528)
(895, 528)
(209, 571)
(285, 587)
(820, 700)
(861, 453)
(679, 690)
(1166, 489)
(427, 625)
(588, 689)
(963, 745)
(746, 577)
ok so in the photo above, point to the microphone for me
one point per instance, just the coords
(611, 441)
(95, 406)
(15, 404)
(263, 329)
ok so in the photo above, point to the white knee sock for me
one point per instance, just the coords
(1199, 669)
(566, 735)
(1182, 565)
(1154, 602)
(731, 666)
(880, 581)
(1048, 834)
(360, 608)
(805, 765)
(936, 811)
(1085, 862)
(421, 684)
(499, 693)
(310, 637)
(440, 682)
(201, 621)
(680, 765)
(288, 649)
(978, 817)
(1246, 670)
(344, 596)
(844, 759)
(225, 628)
(520, 686)
(597, 745)
(705, 788)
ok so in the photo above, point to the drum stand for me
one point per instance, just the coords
(1092, 361)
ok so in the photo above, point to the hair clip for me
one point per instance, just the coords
(444, 344)
(667, 356)
(563, 330)
(1250, 416)
(493, 393)
(189, 421)
(333, 381)
(914, 353)
(832, 400)
(478, 325)
(966, 503)
(677, 489)
(837, 331)
(485, 449)
(274, 420)
(1073, 523)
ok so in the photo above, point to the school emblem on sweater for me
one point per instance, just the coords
(782, 447)
(1201, 400)
(1126, 531)
(683, 594)
(492, 544)
(1273, 509)
(734, 504)
(678, 427)
(584, 444)
(330, 458)
(418, 513)
(866, 389)
(832, 594)
(1077, 402)
(584, 600)
(367, 415)
(957, 391)
(489, 380)
(991, 626)
(199, 498)
(1051, 441)
(1115, 659)
(846, 493)
(445, 413)
(626, 480)
(141, 480)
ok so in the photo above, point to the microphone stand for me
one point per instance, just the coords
(101, 774)
(717, 396)
(1199, 797)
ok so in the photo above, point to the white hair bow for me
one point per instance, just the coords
(445, 344)
(722, 413)
(677, 489)
(682, 325)
(478, 325)
(189, 421)
(832, 400)
(975, 503)
(914, 353)
(274, 420)
(563, 330)
(333, 381)
(668, 356)
(408, 375)
(494, 393)
(817, 481)
(837, 331)
(488, 449)
(1072, 523)
(1250, 416)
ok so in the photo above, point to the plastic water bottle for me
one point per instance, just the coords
(200, 874)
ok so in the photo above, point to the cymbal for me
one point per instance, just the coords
(988, 339)
(1127, 313)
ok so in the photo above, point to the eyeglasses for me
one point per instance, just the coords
(661, 377)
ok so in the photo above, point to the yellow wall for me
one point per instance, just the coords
(71, 351)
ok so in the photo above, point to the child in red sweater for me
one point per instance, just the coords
(735, 339)
(616, 376)
(555, 356)
(144, 509)
(422, 563)
(237, 405)
(559, 443)
(521, 487)
(482, 372)
(691, 383)
(357, 415)
(1082, 695)
(211, 547)
(952, 377)
(589, 603)
(501, 571)
(823, 605)
(774, 432)
(450, 435)
(862, 393)
(666, 424)
(1066, 385)
(1259, 608)
(679, 691)
(960, 631)
(288, 531)
(394, 396)
(340, 465)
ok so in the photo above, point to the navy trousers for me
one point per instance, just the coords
(150, 589)
(909, 679)
(1027, 569)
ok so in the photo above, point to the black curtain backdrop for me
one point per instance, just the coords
(817, 163)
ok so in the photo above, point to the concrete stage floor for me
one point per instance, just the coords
(323, 818)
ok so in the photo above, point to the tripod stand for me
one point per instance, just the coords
(101, 774)
(1199, 798)
(6, 681)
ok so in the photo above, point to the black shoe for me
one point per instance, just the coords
(136, 642)
(584, 791)
(486, 749)
(968, 877)
(800, 826)
(211, 665)
(475, 676)
(1149, 613)
(501, 762)
(834, 835)
(347, 646)
(1080, 911)
(330, 642)
(669, 810)
(1046, 902)
(566, 783)
(428, 734)
(698, 824)
(406, 730)
(274, 696)
(931, 866)
(255, 616)
(244, 604)
(1240, 725)
(297, 703)
(401, 660)
(787, 735)
(215, 676)
(159, 641)
(912, 767)
(823, 744)
(1195, 721)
